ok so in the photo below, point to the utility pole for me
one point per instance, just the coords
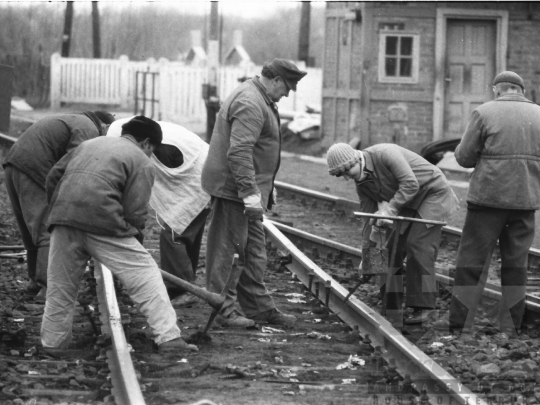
(210, 89)
(303, 42)
(96, 36)
(68, 23)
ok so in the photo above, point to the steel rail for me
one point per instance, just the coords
(444, 277)
(350, 206)
(126, 388)
(409, 358)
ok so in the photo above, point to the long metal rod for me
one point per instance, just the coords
(14, 248)
(354, 312)
(397, 218)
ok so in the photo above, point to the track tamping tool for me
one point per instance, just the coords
(379, 265)
(216, 301)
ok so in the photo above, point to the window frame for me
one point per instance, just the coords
(383, 78)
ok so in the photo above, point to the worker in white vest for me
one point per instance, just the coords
(180, 203)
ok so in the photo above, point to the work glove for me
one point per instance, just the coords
(378, 235)
(274, 196)
(384, 209)
(253, 208)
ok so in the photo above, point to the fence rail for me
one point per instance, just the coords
(177, 87)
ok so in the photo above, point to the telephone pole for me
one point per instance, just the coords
(68, 23)
(210, 92)
(303, 41)
(96, 36)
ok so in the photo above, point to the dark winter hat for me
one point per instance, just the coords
(288, 72)
(104, 116)
(142, 127)
(509, 77)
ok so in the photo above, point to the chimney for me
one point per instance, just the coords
(196, 38)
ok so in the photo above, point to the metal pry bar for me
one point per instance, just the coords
(391, 218)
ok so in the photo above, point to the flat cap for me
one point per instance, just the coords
(288, 72)
(509, 77)
(105, 116)
(143, 127)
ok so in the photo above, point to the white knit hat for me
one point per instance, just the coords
(341, 157)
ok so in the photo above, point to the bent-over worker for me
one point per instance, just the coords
(26, 167)
(99, 196)
(180, 203)
(394, 181)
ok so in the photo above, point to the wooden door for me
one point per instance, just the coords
(470, 69)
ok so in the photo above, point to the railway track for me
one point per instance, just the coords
(339, 352)
(450, 242)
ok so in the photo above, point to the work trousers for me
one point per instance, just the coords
(420, 245)
(514, 229)
(71, 248)
(29, 203)
(231, 232)
(180, 253)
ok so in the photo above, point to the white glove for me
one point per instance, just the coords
(384, 209)
(253, 208)
(274, 196)
(378, 235)
(253, 201)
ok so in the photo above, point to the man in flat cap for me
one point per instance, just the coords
(239, 174)
(26, 166)
(98, 196)
(502, 143)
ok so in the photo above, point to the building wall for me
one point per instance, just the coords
(403, 113)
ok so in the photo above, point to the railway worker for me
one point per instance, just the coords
(502, 143)
(26, 167)
(180, 203)
(99, 195)
(239, 175)
(393, 181)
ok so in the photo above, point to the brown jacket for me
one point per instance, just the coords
(244, 153)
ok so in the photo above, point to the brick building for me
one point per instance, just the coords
(411, 72)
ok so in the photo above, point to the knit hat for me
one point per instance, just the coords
(341, 157)
(141, 127)
(509, 77)
(104, 116)
(288, 72)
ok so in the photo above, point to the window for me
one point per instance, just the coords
(398, 57)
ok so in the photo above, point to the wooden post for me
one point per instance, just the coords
(56, 77)
(303, 41)
(165, 89)
(96, 36)
(125, 84)
(211, 94)
(68, 23)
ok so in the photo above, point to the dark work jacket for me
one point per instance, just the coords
(244, 153)
(403, 179)
(102, 187)
(47, 141)
(502, 143)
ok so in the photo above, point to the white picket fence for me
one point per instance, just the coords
(177, 87)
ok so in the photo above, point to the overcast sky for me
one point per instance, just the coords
(244, 8)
